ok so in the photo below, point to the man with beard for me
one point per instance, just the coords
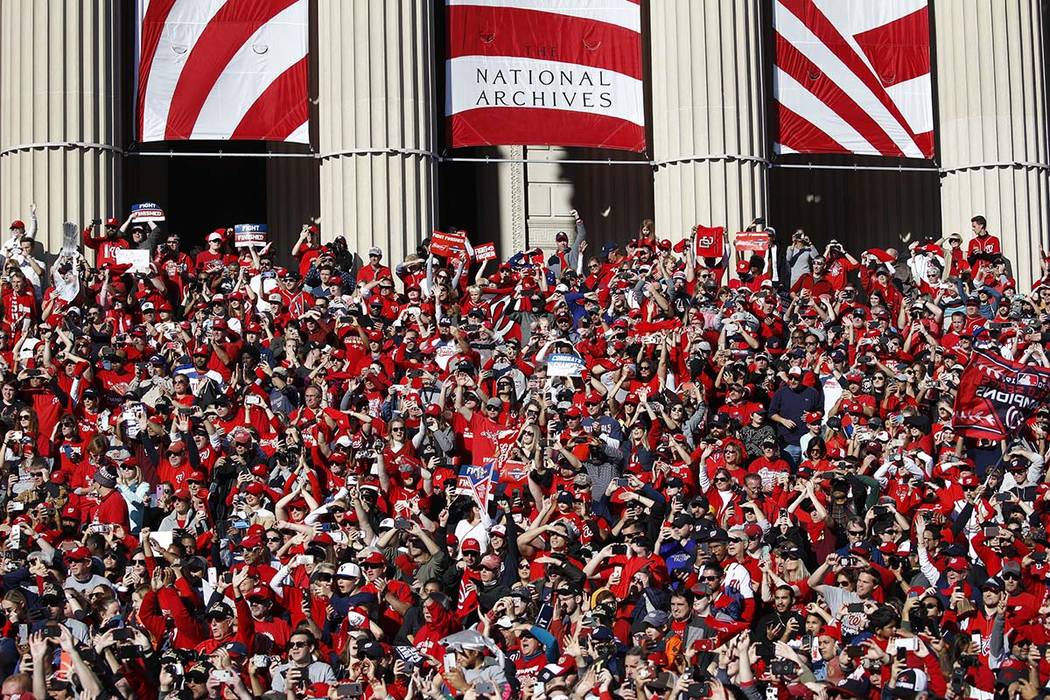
(783, 623)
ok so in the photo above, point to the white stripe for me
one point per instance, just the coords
(808, 106)
(619, 12)
(781, 148)
(283, 41)
(807, 43)
(857, 16)
(852, 17)
(183, 28)
(914, 98)
(300, 135)
(609, 94)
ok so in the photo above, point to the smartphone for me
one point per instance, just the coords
(621, 482)
(450, 662)
(855, 607)
(227, 578)
(123, 634)
(855, 652)
(906, 644)
(52, 631)
(240, 524)
(261, 661)
(991, 532)
(619, 549)
(305, 559)
(352, 690)
(402, 524)
(1038, 557)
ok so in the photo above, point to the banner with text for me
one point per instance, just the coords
(545, 72)
(250, 235)
(996, 396)
(147, 211)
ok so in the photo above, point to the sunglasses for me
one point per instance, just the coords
(298, 645)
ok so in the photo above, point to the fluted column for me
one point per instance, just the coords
(709, 111)
(60, 112)
(377, 104)
(993, 132)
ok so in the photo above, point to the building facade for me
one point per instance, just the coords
(378, 171)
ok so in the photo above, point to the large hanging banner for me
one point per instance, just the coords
(996, 396)
(545, 72)
(853, 77)
(222, 69)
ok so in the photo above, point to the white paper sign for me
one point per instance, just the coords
(138, 259)
(147, 211)
(564, 365)
(250, 235)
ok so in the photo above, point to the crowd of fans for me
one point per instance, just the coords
(587, 473)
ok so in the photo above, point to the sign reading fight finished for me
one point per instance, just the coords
(545, 72)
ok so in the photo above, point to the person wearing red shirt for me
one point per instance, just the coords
(374, 269)
(214, 259)
(983, 247)
(19, 303)
(106, 244)
(112, 508)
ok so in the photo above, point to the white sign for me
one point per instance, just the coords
(137, 259)
(147, 211)
(250, 235)
(564, 365)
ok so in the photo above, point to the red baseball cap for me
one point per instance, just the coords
(374, 559)
(471, 545)
(78, 554)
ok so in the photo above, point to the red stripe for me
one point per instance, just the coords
(541, 127)
(829, 35)
(808, 74)
(218, 43)
(802, 135)
(925, 141)
(280, 109)
(152, 27)
(899, 51)
(506, 31)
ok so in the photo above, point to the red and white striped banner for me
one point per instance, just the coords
(222, 69)
(545, 72)
(854, 76)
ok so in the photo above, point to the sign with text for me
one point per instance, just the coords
(545, 72)
(477, 481)
(137, 260)
(147, 211)
(751, 242)
(564, 365)
(485, 251)
(251, 235)
(996, 396)
(448, 244)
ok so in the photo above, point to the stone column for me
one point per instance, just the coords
(991, 93)
(501, 201)
(709, 114)
(61, 113)
(377, 104)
